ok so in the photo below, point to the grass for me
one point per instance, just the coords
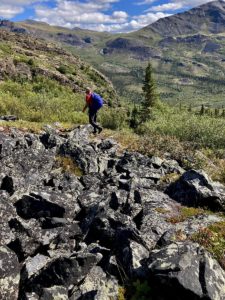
(68, 165)
(213, 239)
(136, 290)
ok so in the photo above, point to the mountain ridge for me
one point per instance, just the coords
(192, 21)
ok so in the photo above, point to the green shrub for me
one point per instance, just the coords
(5, 48)
(66, 70)
(204, 131)
(113, 118)
(42, 100)
(213, 239)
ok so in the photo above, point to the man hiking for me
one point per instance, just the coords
(94, 102)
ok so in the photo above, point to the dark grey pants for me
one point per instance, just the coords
(93, 119)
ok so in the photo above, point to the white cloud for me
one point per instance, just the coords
(96, 14)
(9, 11)
(92, 15)
(174, 5)
(166, 7)
(11, 8)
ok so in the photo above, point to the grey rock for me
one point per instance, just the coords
(54, 293)
(97, 286)
(184, 270)
(7, 213)
(194, 188)
(9, 274)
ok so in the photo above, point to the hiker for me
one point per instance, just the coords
(94, 102)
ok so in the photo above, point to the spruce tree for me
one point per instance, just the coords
(150, 95)
(134, 120)
(202, 111)
(190, 108)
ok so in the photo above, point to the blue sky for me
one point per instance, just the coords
(101, 15)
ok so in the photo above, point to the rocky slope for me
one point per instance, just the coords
(82, 234)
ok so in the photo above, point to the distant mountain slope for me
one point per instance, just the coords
(208, 18)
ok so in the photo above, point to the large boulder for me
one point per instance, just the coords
(186, 271)
(194, 188)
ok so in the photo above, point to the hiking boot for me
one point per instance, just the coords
(100, 130)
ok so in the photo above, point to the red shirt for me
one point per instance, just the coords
(89, 99)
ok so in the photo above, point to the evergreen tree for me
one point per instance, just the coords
(180, 106)
(202, 111)
(217, 112)
(134, 120)
(190, 108)
(150, 95)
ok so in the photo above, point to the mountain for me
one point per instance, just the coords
(186, 51)
(208, 18)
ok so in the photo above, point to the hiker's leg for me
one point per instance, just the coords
(95, 117)
(92, 119)
(99, 126)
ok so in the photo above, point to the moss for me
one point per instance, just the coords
(185, 213)
(213, 239)
(161, 210)
(169, 178)
(121, 293)
(68, 165)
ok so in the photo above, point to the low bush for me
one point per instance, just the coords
(213, 239)
(43, 100)
(113, 118)
(203, 131)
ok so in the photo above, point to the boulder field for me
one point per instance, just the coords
(81, 232)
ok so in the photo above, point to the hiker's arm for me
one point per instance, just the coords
(85, 107)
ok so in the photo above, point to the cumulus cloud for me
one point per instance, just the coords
(174, 5)
(9, 11)
(11, 8)
(96, 15)
(93, 15)
(90, 14)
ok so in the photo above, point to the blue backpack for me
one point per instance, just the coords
(97, 101)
